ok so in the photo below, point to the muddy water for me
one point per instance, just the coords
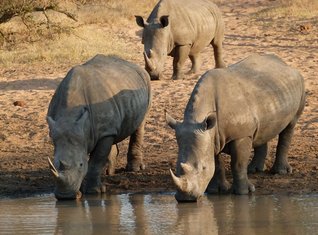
(160, 214)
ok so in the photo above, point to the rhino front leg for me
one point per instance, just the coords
(218, 182)
(258, 161)
(281, 165)
(180, 56)
(96, 164)
(135, 150)
(240, 151)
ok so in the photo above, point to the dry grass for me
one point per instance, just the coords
(95, 35)
(76, 47)
(291, 8)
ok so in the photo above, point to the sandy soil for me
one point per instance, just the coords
(25, 145)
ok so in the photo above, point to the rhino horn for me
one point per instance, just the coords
(148, 61)
(187, 168)
(181, 183)
(53, 169)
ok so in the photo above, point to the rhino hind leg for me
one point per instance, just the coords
(96, 165)
(218, 183)
(112, 159)
(135, 150)
(240, 151)
(258, 161)
(218, 50)
(281, 165)
(196, 63)
(180, 56)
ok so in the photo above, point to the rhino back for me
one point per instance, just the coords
(189, 20)
(257, 97)
(116, 93)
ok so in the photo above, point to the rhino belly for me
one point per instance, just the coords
(121, 116)
(270, 127)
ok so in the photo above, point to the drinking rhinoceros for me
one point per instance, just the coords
(97, 105)
(233, 110)
(181, 28)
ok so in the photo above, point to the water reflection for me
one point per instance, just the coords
(160, 214)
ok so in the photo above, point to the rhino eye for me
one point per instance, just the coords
(81, 164)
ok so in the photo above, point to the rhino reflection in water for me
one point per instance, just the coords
(233, 110)
(181, 29)
(97, 105)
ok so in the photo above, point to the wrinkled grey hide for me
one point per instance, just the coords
(233, 110)
(181, 29)
(97, 105)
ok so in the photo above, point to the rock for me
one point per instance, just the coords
(19, 103)
(305, 28)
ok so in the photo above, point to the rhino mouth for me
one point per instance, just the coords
(61, 191)
(185, 197)
(67, 195)
(187, 191)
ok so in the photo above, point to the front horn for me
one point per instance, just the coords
(148, 61)
(181, 182)
(53, 169)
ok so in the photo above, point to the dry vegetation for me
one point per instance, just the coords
(76, 40)
(54, 43)
(291, 8)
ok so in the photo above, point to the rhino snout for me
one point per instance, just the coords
(185, 197)
(67, 195)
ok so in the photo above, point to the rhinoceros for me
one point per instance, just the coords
(181, 29)
(97, 105)
(233, 110)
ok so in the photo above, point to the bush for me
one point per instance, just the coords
(10, 8)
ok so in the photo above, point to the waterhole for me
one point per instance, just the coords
(160, 214)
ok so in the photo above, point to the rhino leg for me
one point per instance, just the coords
(180, 56)
(281, 165)
(258, 162)
(196, 63)
(240, 151)
(218, 182)
(96, 164)
(218, 49)
(112, 159)
(135, 150)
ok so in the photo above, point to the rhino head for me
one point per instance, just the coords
(155, 38)
(195, 164)
(70, 155)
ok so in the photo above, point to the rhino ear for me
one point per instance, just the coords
(171, 121)
(140, 21)
(164, 20)
(51, 124)
(50, 121)
(209, 122)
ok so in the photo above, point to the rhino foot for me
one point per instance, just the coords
(135, 166)
(242, 189)
(281, 169)
(177, 77)
(191, 72)
(96, 190)
(215, 187)
(253, 168)
(93, 186)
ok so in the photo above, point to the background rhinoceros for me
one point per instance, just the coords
(97, 105)
(181, 28)
(233, 110)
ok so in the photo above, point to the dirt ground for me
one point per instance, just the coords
(25, 145)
